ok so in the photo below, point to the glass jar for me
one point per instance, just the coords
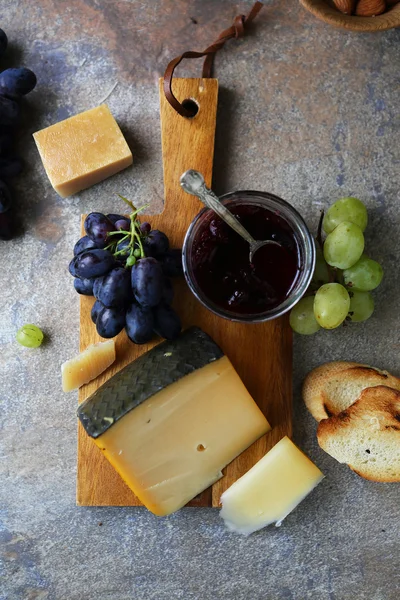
(299, 231)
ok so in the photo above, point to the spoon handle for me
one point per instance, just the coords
(193, 183)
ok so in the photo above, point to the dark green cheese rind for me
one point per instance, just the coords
(150, 373)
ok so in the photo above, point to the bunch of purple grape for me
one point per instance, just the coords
(127, 267)
(14, 83)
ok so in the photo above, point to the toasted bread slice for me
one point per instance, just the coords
(315, 382)
(366, 435)
(331, 389)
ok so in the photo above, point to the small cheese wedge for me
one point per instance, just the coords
(170, 421)
(270, 490)
(82, 150)
(88, 365)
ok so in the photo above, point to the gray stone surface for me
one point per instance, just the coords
(307, 112)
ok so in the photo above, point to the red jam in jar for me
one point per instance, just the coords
(221, 265)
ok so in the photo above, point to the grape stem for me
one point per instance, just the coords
(135, 210)
(134, 235)
(117, 233)
(332, 275)
(128, 202)
(135, 228)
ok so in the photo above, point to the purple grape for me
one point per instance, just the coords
(91, 263)
(156, 243)
(5, 197)
(97, 227)
(110, 321)
(96, 308)
(6, 226)
(114, 218)
(9, 112)
(167, 323)
(10, 167)
(171, 263)
(145, 228)
(17, 82)
(96, 286)
(147, 281)
(168, 291)
(3, 42)
(84, 286)
(139, 324)
(114, 289)
(122, 225)
(6, 141)
(85, 243)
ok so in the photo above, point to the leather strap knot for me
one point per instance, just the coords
(236, 30)
(238, 24)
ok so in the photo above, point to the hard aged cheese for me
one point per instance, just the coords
(270, 490)
(82, 150)
(87, 365)
(173, 419)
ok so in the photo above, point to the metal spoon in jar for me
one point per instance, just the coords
(193, 183)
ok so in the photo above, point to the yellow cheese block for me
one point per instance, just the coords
(82, 150)
(87, 365)
(270, 490)
(175, 444)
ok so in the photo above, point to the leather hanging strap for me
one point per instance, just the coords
(236, 30)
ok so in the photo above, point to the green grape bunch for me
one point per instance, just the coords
(344, 275)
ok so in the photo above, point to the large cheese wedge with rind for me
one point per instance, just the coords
(270, 490)
(170, 421)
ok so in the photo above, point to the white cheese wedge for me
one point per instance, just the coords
(270, 490)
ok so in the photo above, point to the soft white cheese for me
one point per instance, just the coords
(270, 490)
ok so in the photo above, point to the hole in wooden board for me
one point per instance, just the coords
(191, 106)
(201, 448)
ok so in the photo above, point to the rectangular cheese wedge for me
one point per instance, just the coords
(82, 150)
(270, 490)
(170, 421)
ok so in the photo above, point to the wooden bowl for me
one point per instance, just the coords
(326, 11)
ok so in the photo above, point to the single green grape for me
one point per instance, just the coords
(130, 261)
(29, 336)
(361, 306)
(321, 271)
(344, 246)
(331, 305)
(364, 276)
(345, 209)
(137, 253)
(302, 319)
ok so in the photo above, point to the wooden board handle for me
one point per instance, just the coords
(187, 143)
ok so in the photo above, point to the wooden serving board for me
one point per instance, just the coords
(261, 353)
